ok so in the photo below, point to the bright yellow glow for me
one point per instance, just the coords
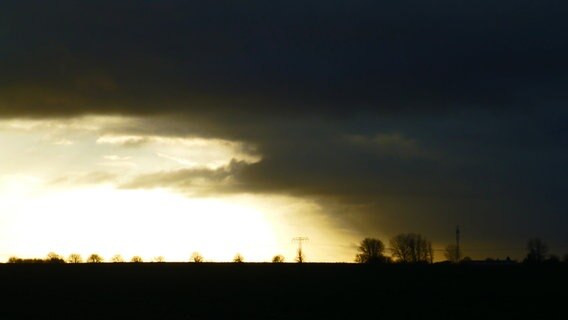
(59, 192)
(152, 223)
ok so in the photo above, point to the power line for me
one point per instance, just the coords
(300, 240)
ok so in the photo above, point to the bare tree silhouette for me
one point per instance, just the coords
(411, 248)
(278, 258)
(74, 258)
(537, 251)
(95, 258)
(371, 251)
(300, 257)
(452, 254)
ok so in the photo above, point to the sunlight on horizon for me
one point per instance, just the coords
(61, 191)
(152, 223)
(135, 222)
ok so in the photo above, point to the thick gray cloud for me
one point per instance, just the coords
(399, 116)
(278, 57)
(194, 182)
(500, 176)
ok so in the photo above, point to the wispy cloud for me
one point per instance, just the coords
(63, 142)
(128, 141)
(84, 179)
(113, 157)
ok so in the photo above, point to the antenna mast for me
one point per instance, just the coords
(458, 258)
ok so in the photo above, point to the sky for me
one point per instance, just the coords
(163, 128)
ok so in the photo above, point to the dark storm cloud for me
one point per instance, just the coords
(194, 182)
(408, 114)
(278, 57)
(499, 175)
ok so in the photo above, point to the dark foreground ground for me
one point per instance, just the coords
(282, 291)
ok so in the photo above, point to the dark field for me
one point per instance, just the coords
(282, 291)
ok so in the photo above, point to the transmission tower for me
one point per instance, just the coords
(458, 244)
(299, 240)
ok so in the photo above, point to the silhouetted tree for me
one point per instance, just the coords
(300, 257)
(74, 258)
(537, 251)
(159, 259)
(95, 258)
(117, 258)
(278, 258)
(13, 259)
(196, 257)
(411, 248)
(371, 251)
(238, 258)
(451, 253)
(53, 257)
(136, 259)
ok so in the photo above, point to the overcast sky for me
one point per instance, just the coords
(401, 116)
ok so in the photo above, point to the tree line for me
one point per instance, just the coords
(53, 257)
(408, 248)
(405, 248)
(415, 248)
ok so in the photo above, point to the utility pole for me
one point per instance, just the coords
(300, 256)
(458, 258)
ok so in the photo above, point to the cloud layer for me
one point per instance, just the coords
(279, 58)
(397, 116)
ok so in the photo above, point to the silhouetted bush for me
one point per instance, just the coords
(20, 260)
(117, 258)
(238, 258)
(53, 257)
(197, 257)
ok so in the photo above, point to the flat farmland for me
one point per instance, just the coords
(281, 291)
